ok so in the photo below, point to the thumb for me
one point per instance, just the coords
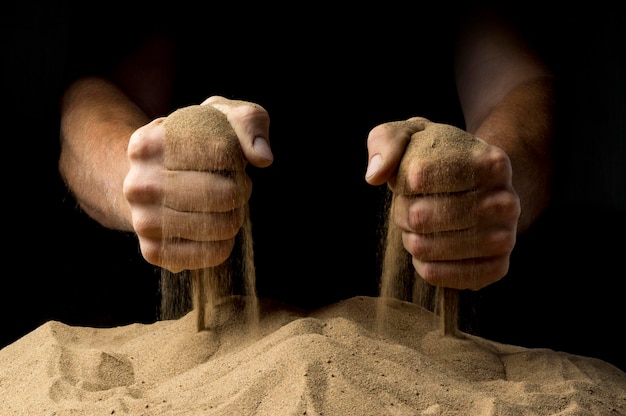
(251, 124)
(386, 144)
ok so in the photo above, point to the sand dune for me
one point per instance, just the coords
(333, 361)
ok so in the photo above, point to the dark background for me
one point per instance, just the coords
(564, 289)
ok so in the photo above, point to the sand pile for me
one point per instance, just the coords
(332, 361)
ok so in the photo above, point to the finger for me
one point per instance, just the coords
(473, 274)
(195, 226)
(466, 244)
(187, 191)
(251, 124)
(459, 211)
(436, 213)
(386, 144)
(178, 255)
(193, 191)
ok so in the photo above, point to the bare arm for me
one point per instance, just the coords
(99, 115)
(507, 98)
(97, 122)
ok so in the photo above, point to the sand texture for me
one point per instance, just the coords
(332, 361)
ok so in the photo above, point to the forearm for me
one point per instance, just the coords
(521, 124)
(507, 96)
(96, 123)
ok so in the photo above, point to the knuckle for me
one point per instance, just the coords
(499, 162)
(151, 252)
(419, 218)
(143, 145)
(418, 246)
(503, 204)
(136, 190)
(502, 241)
(147, 226)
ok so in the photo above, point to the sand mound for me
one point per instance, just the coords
(332, 361)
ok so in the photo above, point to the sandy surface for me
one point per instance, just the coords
(333, 361)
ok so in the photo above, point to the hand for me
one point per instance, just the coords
(458, 218)
(188, 219)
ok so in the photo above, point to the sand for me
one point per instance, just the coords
(331, 361)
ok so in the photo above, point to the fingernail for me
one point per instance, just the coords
(375, 163)
(262, 148)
